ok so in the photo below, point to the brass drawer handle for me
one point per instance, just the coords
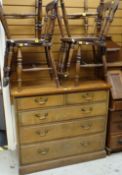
(120, 141)
(41, 101)
(44, 117)
(87, 97)
(86, 110)
(42, 133)
(85, 144)
(43, 151)
(86, 126)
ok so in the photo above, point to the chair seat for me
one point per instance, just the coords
(32, 42)
(84, 39)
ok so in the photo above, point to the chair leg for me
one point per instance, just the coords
(62, 58)
(69, 57)
(7, 65)
(19, 67)
(104, 60)
(78, 61)
(53, 66)
(48, 62)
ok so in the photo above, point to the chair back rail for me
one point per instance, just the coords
(106, 12)
(38, 19)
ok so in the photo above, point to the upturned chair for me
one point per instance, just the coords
(43, 38)
(104, 16)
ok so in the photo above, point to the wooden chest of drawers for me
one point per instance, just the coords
(114, 141)
(56, 129)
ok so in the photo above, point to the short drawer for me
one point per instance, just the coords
(116, 127)
(116, 116)
(39, 101)
(62, 148)
(116, 142)
(62, 113)
(61, 130)
(85, 97)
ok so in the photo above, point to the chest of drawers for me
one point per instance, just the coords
(114, 141)
(57, 129)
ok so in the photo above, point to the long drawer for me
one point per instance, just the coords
(61, 130)
(85, 97)
(62, 148)
(62, 113)
(39, 101)
(116, 142)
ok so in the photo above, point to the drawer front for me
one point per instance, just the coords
(39, 101)
(60, 114)
(116, 127)
(116, 142)
(61, 130)
(117, 105)
(86, 97)
(58, 149)
(116, 116)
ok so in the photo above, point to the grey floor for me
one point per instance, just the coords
(111, 165)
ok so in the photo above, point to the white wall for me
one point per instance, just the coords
(9, 117)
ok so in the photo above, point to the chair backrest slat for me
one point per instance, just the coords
(38, 19)
(106, 12)
(49, 20)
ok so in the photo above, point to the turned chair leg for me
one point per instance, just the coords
(19, 67)
(78, 62)
(69, 58)
(53, 66)
(104, 59)
(62, 58)
(48, 62)
(7, 66)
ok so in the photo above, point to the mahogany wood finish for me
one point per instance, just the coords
(114, 140)
(105, 14)
(45, 121)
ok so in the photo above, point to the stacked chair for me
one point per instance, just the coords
(104, 16)
(43, 38)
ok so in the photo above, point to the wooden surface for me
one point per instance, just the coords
(27, 118)
(114, 77)
(114, 133)
(61, 148)
(46, 118)
(61, 162)
(49, 87)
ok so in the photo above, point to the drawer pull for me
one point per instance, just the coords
(43, 152)
(87, 97)
(42, 133)
(42, 117)
(85, 144)
(86, 110)
(41, 101)
(86, 127)
(120, 141)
